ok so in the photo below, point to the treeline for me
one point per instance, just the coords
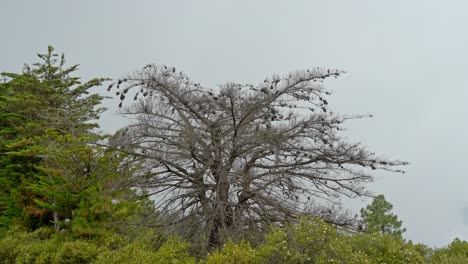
(233, 175)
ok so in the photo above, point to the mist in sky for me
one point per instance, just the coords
(406, 63)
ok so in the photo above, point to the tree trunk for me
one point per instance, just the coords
(222, 210)
(56, 220)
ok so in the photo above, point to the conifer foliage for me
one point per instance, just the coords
(378, 218)
(46, 159)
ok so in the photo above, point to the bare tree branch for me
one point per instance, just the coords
(243, 155)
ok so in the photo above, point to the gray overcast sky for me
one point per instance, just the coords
(407, 64)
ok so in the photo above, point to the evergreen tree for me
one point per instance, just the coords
(377, 218)
(41, 108)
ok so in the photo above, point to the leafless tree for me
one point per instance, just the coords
(241, 156)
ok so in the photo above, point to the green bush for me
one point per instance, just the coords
(386, 249)
(18, 246)
(231, 253)
(127, 254)
(310, 241)
(112, 242)
(38, 252)
(74, 252)
(172, 251)
(424, 250)
(9, 246)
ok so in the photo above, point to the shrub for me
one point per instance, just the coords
(74, 252)
(231, 253)
(386, 249)
(458, 249)
(38, 252)
(22, 247)
(172, 251)
(9, 245)
(127, 254)
(310, 241)
(112, 241)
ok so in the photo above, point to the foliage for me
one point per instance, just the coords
(172, 251)
(93, 209)
(133, 206)
(21, 247)
(40, 106)
(383, 248)
(78, 251)
(377, 218)
(458, 249)
(445, 259)
(230, 253)
(127, 254)
(40, 247)
(54, 172)
(38, 252)
(309, 241)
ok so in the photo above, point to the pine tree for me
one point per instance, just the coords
(377, 218)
